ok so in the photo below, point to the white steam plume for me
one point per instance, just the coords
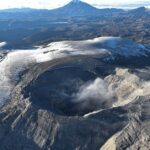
(96, 90)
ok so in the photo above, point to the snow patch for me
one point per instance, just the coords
(2, 44)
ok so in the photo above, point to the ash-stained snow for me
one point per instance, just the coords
(17, 61)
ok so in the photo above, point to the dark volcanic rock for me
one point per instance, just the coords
(39, 116)
(29, 122)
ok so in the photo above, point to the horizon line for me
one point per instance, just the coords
(98, 6)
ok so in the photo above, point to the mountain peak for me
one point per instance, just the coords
(78, 8)
(140, 11)
(76, 1)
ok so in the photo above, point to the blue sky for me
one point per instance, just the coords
(50, 4)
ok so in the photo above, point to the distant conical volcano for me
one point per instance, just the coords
(79, 8)
(76, 8)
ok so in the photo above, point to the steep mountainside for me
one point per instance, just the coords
(76, 95)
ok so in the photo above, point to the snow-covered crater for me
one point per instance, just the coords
(19, 60)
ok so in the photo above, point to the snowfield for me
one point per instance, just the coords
(17, 61)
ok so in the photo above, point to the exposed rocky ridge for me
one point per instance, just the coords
(136, 135)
